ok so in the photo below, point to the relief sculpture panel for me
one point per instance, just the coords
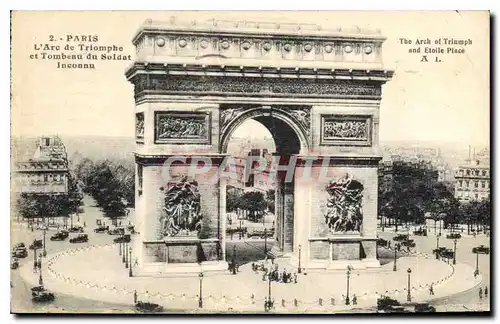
(346, 130)
(139, 126)
(182, 128)
(344, 205)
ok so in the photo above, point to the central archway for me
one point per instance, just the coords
(290, 139)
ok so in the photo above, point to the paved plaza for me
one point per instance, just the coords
(102, 276)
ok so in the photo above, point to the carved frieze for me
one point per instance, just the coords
(344, 205)
(139, 126)
(182, 128)
(248, 86)
(346, 130)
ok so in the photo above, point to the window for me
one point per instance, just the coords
(47, 142)
(477, 172)
(484, 173)
(483, 184)
(45, 177)
(460, 183)
(477, 196)
(468, 172)
(476, 184)
(467, 183)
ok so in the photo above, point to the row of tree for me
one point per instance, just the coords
(255, 202)
(411, 193)
(110, 183)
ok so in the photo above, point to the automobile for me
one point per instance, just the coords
(400, 237)
(37, 289)
(439, 250)
(42, 296)
(453, 236)
(80, 238)
(424, 308)
(116, 231)
(37, 244)
(60, 236)
(148, 307)
(481, 249)
(448, 254)
(409, 243)
(131, 229)
(19, 245)
(20, 252)
(260, 233)
(420, 232)
(76, 229)
(382, 242)
(386, 303)
(122, 239)
(101, 229)
(42, 227)
(14, 263)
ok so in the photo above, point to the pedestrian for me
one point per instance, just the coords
(354, 299)
(486, 291)
(295, 277)
(84, 224)
(389, 244)
(135, 296)
(480, 293)
(475, 273)
(136, 263)
(237, 267)
(266, 304)
(431, 289)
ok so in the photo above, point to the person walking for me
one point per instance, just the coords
(480, 293)
(486, 291)
(295, 277)
(431, 290)
(135, 296)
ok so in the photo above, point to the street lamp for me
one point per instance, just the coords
(120, 244)
(44, 251)
(124, 252)
(299, 270)
(265, 241)
(269, 279)
(347, 301)
(455, 251)
(40, 279)
(34, 258)
(394, 268)
(437, 247)
(130, 262)
(408, 297)
(234, 259)
(477, 262)
(126, 255)
(200, 299)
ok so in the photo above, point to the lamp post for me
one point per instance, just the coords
(123, 252)
(269, 279)
(200, 299)
(394, 268)
(126, 255)
(477, 262)
(347, 301)
(233, 261)
(130, 262)
(299, 270)
(265, 241)
(120, 244)
(40, 279)
(408, 296)
(455, 251)
(437, 247)
(34, 258)
(44, 250)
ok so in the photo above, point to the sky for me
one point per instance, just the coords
(445, 102)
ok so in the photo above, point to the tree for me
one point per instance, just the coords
(254, 202)
(233, 199)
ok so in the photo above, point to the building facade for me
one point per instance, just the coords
(46, 172)
(472, 182)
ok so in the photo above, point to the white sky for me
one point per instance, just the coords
(447, 102)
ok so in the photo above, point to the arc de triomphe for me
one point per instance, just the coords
(317, 91)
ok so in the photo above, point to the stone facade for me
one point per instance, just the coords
(317, 91)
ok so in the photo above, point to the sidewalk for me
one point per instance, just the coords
(97, 272)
